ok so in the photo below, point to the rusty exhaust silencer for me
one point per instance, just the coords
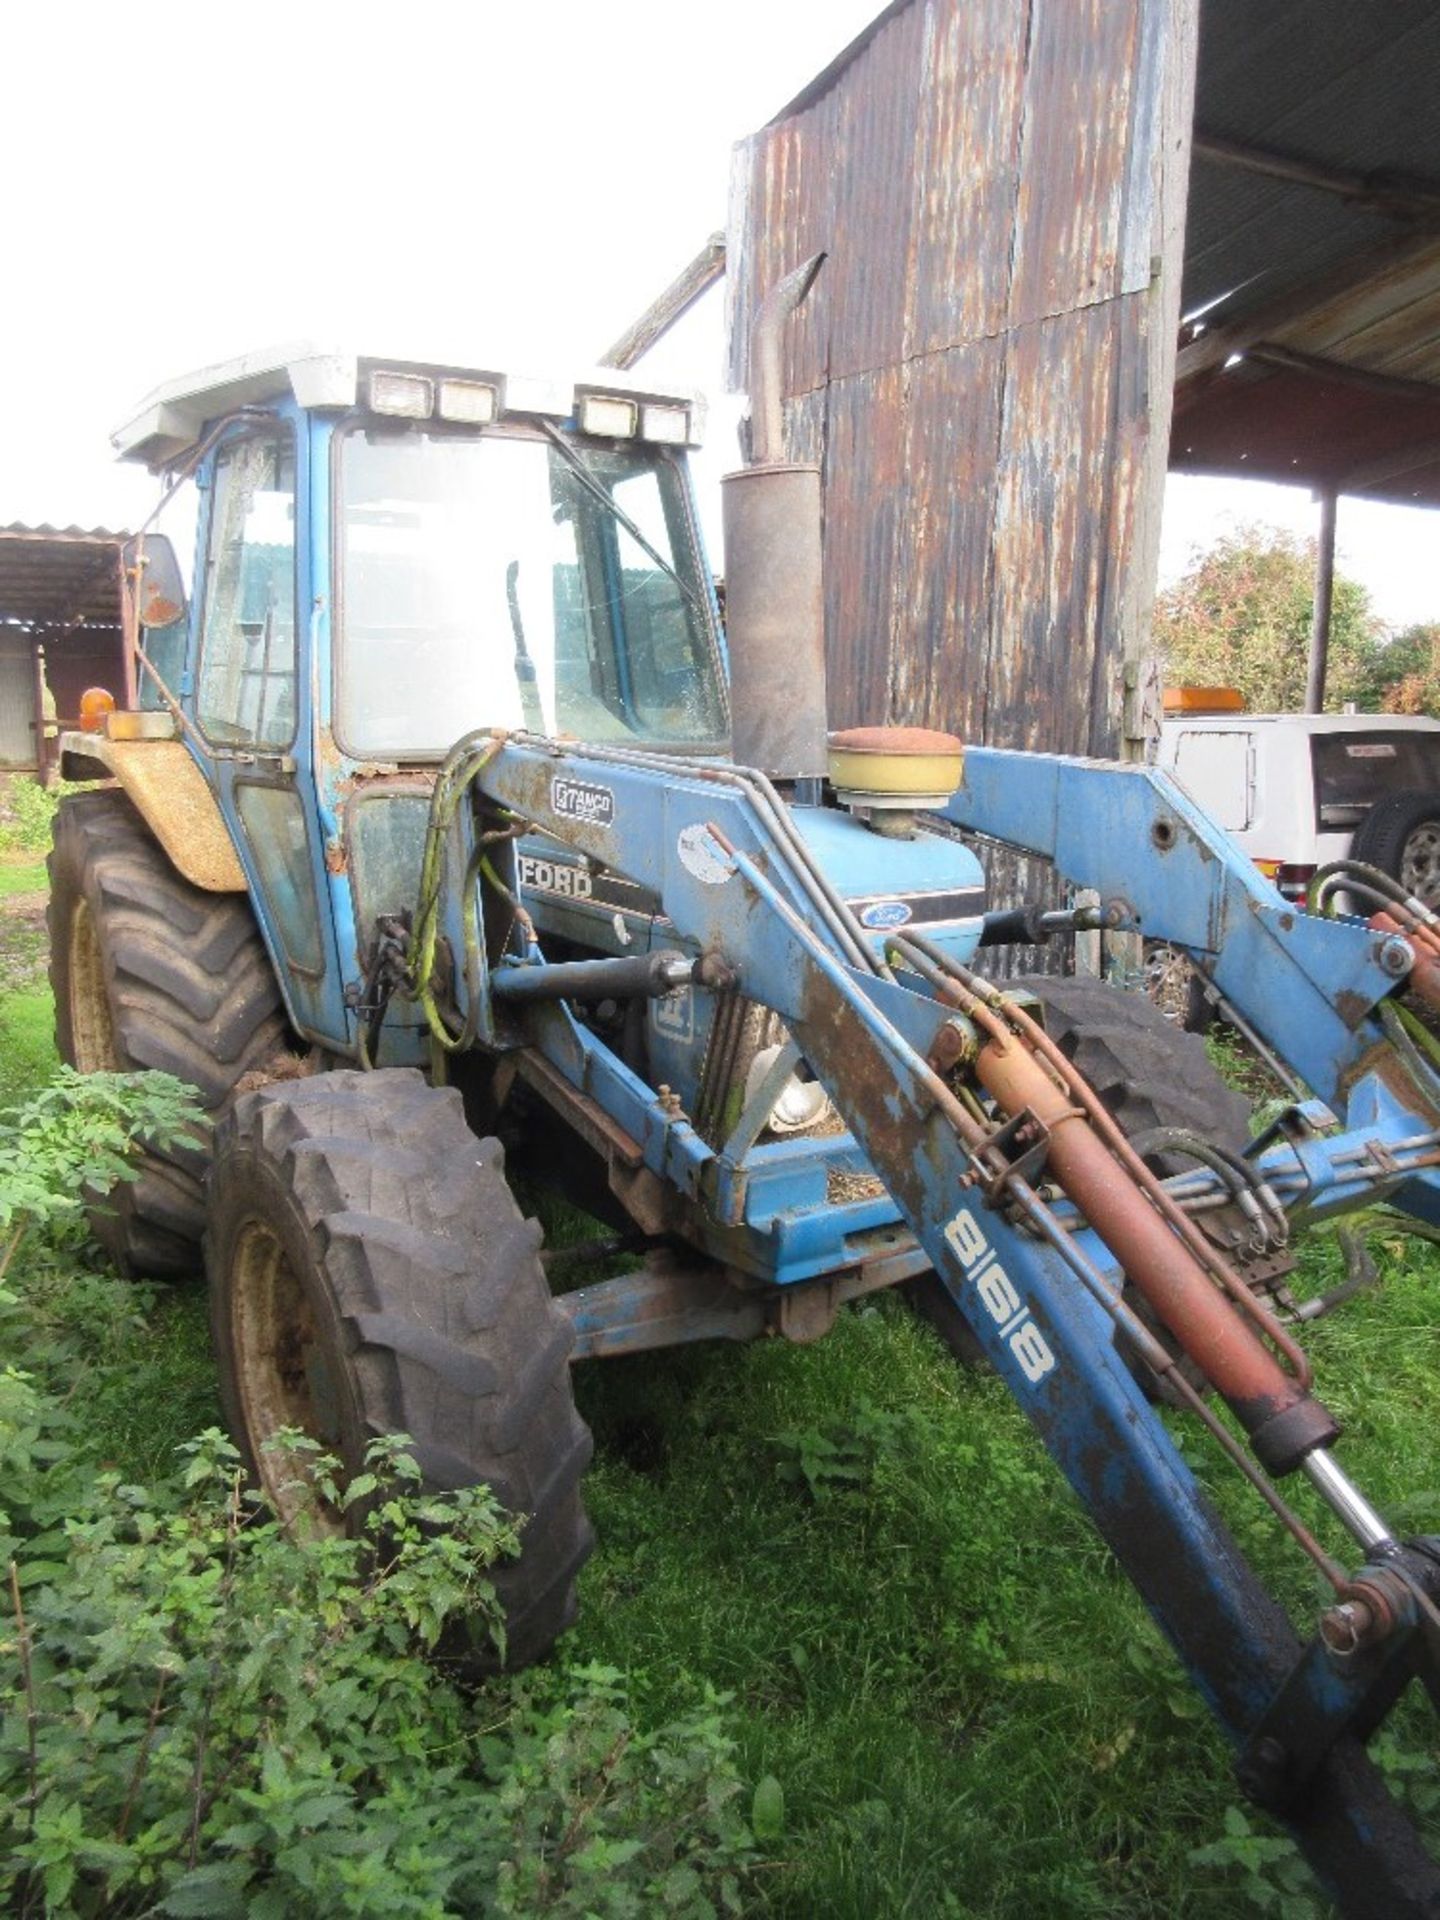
(774, 610)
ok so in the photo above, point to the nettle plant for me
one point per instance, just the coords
(75, 1141)
(206, 1711)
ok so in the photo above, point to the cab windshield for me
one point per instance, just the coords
(502, 580)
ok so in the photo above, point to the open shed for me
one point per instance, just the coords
(1311, 340)
(61, 629)
(1310, 347)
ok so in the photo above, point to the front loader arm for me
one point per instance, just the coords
(1161, 866)
(707, 840)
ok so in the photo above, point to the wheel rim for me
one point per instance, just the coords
(1420, 863)
(92, 1030)
(283, 1376)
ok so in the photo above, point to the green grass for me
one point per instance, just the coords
(961, 1692)
(27, 1042)
(21, 875)
(966, 1705)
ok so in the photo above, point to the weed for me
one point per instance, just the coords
(76, 1139)
(843, 1453)
(213, 1714)
(1265, 1871)
(26, 812)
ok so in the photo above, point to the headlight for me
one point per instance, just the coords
(607, 415)
(408, 395)
(669, 426)
(800, 1103)
(473, 403)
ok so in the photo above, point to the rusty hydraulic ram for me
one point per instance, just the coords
(1024, 1073)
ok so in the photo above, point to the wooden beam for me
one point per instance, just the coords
(1392, 466)
(1314, 366)
(1215, 345)
(698, 277)
(1397, 197)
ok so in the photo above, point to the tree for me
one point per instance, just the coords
(1412, 671)
(1241, 618)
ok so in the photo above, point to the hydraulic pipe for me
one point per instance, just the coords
(1283, 1420)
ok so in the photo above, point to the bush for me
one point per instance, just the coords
(212, 1715)
(203, 1712)
(26, 812)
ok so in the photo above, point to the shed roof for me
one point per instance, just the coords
(1311, 351)
(52, 578)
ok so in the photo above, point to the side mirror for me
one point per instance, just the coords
(153, 574)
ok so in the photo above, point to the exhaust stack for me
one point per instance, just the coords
(774, 609)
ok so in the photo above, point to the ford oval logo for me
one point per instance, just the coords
(885, 913)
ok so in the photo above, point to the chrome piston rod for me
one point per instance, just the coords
(1347, 1502)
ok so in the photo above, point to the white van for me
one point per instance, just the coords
(1298, 790)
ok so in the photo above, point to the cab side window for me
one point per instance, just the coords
(246, 690)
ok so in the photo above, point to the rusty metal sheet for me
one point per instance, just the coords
(60, 576)
(1080, 98)
(866, 501)
(945, 584)
(970, 367)
(976, 368)
(1055, 476)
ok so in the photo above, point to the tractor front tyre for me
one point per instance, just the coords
(151, 972)
(371, 1274)
(1147, 1073)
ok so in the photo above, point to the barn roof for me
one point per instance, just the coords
(1311, 346)
(54, 578)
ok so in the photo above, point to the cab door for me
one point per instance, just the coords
(252, 707)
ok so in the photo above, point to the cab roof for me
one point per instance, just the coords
(171, 420)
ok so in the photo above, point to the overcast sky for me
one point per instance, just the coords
(184, 182)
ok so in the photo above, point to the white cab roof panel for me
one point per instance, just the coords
(169, 421)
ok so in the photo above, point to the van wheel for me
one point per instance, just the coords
(1401, 836)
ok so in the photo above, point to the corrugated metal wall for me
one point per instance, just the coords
(977, 364)
(984, 365)
(17, 701)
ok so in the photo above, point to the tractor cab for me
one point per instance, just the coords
(392, 553)
(402, 565)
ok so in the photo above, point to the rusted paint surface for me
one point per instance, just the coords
(975, 369)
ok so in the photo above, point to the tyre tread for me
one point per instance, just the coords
(455, 1338)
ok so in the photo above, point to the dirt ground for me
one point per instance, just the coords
(23, 945)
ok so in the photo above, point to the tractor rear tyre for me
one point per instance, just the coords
(149, 971)
(1401, 836)
(1146, 1071)
(371, 1274)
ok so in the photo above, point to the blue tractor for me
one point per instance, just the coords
(447, 815)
